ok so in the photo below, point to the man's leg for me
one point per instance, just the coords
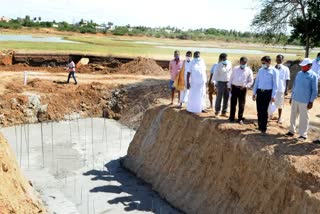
(69, 77)
(225, 99)
(74, 78)
(178, 96)
(303, 120)
(233, 105)
(219, 97)
(211, 99)
(172, 94)
(293, 116)
(242, 102)
(266, 98)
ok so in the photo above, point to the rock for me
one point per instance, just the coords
(6, 57)
(72, 116)
(4, 167)
(83, 61)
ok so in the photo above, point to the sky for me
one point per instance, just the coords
(223, 14)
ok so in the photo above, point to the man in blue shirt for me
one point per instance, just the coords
(264, 91)
(304, 92)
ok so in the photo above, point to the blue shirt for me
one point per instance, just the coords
(305, 88)
(267, 79)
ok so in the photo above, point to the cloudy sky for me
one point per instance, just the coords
(225, 14)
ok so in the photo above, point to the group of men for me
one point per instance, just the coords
(270, 87)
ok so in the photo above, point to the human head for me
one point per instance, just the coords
(266, 61)
(306, 64)
(279, 59)
(189, 54)
(196, 54)
(223, 57)
(176, 54)
(243, 62)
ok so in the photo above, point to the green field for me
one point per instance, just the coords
(150, 47)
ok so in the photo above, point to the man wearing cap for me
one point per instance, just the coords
(174, 68)
(221, 76)
(196, 83)
(241, 79)
(264, 91)
(304, 92)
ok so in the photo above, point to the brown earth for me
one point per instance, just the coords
(141, 65)
(16, 193)
(203, 164)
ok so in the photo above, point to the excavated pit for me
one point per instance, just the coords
(205, 165)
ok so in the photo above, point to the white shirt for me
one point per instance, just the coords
(71, 66)
(241, 77)
(186, 69)
(284, 75)
(198, 72)
(316, 67)
(222, 72)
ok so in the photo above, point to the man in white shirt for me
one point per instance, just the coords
(221, 76)
(185, 93)
(316, 65)
(240, 79)
(211, 83)
(71, 67)
(196, 83)
(283, 81)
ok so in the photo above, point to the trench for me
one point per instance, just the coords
(75, 167)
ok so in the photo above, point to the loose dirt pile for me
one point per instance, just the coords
(205, 165)
(141, 65)
(6, 57)
(16, 194)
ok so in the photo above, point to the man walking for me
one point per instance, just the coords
(241, 79)
(304, 92)
(221, 76)
(284, 77)
(264, 91)
(196, 83)
(316, 65)
(174, 68)
(71, 67)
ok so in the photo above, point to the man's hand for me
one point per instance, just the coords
(272, 99)
(254, 97)
(285, 93)
(188, 86)
(290, 101)
(309, 106)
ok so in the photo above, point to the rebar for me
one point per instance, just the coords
(42, 145)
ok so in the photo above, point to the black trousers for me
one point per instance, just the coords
(238, 95)
(263, 100)
(73, 76)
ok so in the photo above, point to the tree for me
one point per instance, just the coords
(276, 16)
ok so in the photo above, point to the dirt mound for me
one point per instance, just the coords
(16, 194)
(141, 65)
(205, 165)
(6, 57)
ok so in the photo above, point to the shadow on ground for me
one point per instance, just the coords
(136, 195)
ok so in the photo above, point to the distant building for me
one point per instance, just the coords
(4, 19)
(55, 25)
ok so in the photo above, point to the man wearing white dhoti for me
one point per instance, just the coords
(196, 83)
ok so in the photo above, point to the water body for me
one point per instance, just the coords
(220, 50)
(30, 38)
(75, 167)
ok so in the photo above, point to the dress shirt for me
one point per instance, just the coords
(316, 67)
(222, 72)
(267, 79)
(174, 68)
(241, 77)
(284, 75)
(305, 88)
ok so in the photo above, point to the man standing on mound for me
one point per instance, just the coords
(304, 92)
(196, 83)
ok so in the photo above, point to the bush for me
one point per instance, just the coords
(120, 31)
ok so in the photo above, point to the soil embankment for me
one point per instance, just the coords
(205, 165)
(16, 194)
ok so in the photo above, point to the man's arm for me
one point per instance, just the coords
(250, 79)
(314, 89)
(231, 78)
(275, 84)
(255, 87)
(287, 81)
